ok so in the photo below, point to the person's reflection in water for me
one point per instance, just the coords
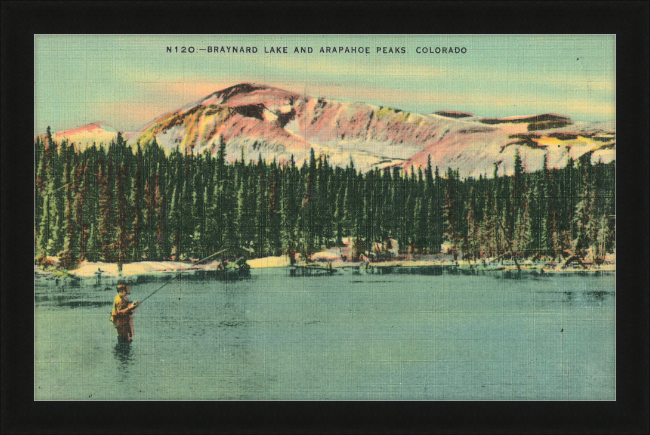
(122, 353)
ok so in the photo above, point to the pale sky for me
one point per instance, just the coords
(128, 80)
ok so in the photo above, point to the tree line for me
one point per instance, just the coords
(119, 204)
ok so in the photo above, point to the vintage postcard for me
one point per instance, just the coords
(325, 217)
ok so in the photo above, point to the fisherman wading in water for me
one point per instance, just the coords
(122, 313)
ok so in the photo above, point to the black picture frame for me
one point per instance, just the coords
(628, 414)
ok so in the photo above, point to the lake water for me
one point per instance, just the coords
(350, 337)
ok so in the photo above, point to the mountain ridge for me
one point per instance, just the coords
(256, 119)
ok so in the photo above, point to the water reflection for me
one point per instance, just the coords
(68, 301)
(589, 298)
(122, 353)
(82, 304)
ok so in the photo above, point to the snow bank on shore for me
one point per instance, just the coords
(109, 270)
(260, 263)
(91, 269)
(332, 254)
(88, 270)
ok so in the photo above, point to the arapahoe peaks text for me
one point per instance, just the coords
(231, 49)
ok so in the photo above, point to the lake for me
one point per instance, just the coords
(348, 337)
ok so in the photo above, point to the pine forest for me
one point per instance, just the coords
(119, 204)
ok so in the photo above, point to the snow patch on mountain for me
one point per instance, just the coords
(257, 120)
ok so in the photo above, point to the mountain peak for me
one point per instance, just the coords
(453, 114)
(91, 128)
(81, 137)
(241, 88)
(258, 119)
(246, 94)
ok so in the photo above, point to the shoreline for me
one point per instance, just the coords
(107, 273)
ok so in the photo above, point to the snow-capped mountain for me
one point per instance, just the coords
(262, 120)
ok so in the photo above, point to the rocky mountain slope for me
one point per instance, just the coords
(274, 123)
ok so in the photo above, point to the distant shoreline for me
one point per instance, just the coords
(108, 272)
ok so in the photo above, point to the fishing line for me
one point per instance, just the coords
(180, 273)
(56, 190)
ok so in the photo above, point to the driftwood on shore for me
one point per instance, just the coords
(570, 257)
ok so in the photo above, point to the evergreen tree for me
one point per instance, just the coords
(162, 250)
(274, 212)
(602, 238)
(567, 206)
(186, 219)
(407, 236)
(549, 204)
(260, 203)
(105, 225)
(428, 209)
(288, 210)
(490, 230)
(241, 215)
(583, 216)
(422, 214)
(419, 237)
(175, 217)
(68, 256)
(452, 233)
(339, 214)
(91, 203)
(137, 193)
(121, 247)
(387, 205)
(48, 225)
(436, 213)
(366, 212)
(472, 239)
(351, 200)
(57, 174)
(307, 217)
(81, 207)
(523, 236)
(536, 204)
(506, 216)
(93, 244)
(198, 211)
(219, 207)
(39, 182)
(610, 219)
(518, 185)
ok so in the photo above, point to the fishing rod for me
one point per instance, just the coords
(180, 273)
(56, 190)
